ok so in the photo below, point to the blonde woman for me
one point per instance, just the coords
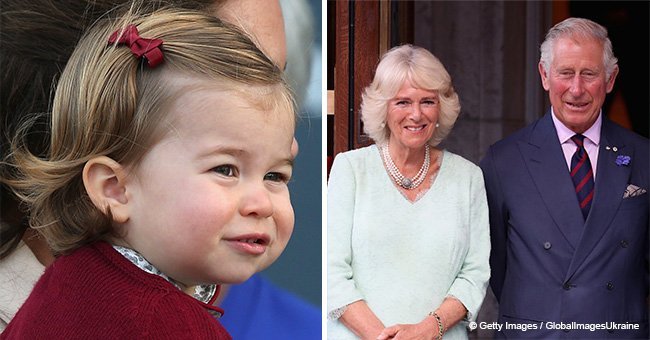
(408, 240)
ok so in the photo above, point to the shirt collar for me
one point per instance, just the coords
(564, 133)
(204, 293)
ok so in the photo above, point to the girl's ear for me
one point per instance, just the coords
(104, 180)
(294, 147)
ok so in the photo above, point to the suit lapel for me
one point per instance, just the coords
(611, 181)
(544, 158)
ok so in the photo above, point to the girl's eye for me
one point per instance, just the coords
(225, 170)
(276, 177)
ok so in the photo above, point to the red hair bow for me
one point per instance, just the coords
(149, 48)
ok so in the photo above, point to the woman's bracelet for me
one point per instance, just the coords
(441, 328)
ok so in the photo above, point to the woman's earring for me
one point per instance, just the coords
(437, 125)
(383, 125)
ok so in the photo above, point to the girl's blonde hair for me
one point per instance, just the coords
(423, 70)
(109, 103)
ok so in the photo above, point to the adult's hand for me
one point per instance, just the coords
(361, 320)
(426, 329)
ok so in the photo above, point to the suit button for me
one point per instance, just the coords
(624, 244)
(610, 286)
(566, 286)
(547, 245)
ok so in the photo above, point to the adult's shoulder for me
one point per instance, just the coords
(252, 309)
(360, 161)
(514, 138)
(18, 273)
(508, 149)
(459, 163)
(358, 155)
(625, 135)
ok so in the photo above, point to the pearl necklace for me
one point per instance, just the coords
(401, 180)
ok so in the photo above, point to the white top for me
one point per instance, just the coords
(18, 273)
(404, 258)
(591, 142)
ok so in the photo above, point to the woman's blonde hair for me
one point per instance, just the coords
(109, 103)
(423, 70)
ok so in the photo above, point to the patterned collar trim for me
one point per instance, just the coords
(203, 293)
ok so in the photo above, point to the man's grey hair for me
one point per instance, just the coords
(578, 28)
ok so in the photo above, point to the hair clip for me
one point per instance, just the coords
(149, 48)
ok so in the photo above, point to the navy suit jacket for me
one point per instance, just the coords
(551, 268)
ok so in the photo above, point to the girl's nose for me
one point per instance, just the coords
(256, 201)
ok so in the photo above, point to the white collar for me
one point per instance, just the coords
(203, 293)
(564, 133)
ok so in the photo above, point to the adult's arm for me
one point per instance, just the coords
(361, 320)
(342, 293)
(498, 223)
(470, 284)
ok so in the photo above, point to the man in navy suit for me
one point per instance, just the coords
(568, 204)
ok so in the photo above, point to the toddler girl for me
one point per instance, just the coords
(166, 175)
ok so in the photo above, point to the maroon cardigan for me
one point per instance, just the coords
(96, 293)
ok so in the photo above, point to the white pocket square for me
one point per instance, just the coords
(633, 191)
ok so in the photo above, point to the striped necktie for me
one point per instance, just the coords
(582, 175)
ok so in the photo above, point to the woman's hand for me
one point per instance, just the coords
(426, 329)
(361, 320)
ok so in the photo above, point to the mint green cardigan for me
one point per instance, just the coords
(404, 258)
